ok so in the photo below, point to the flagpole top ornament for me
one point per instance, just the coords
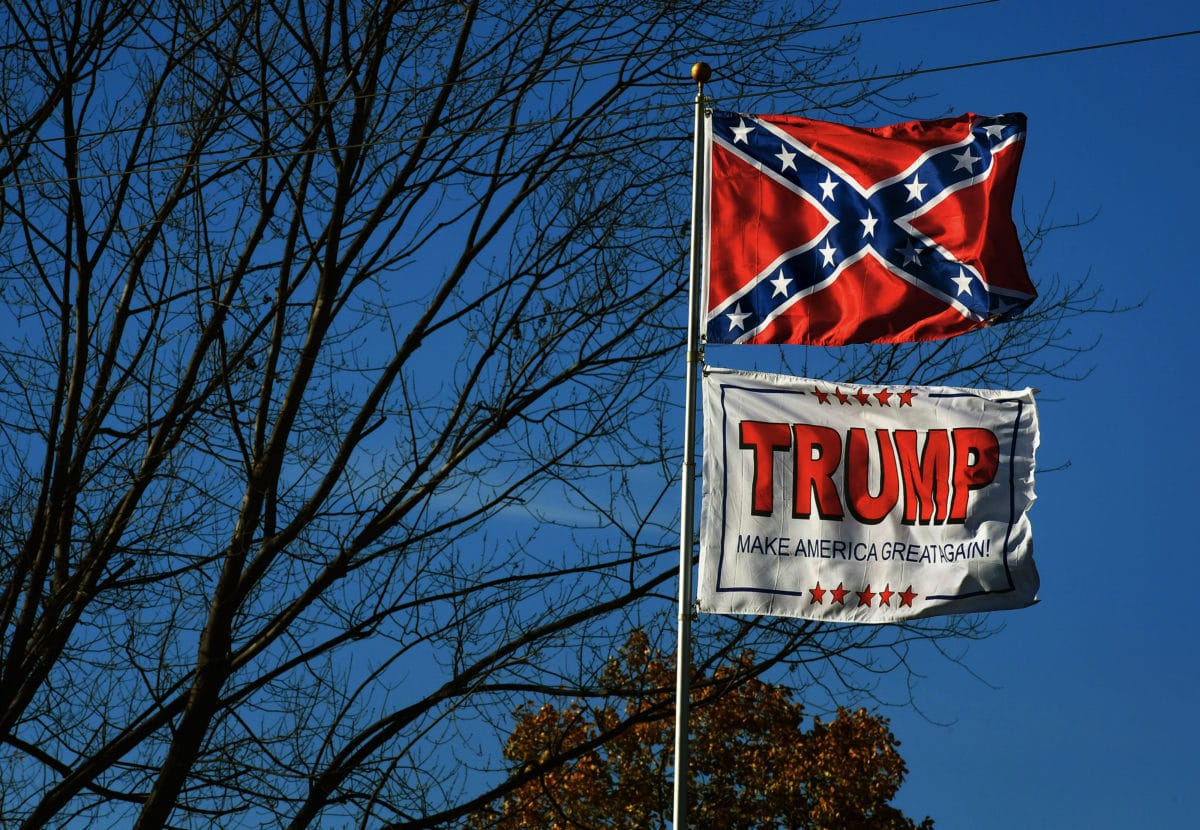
(701, 72)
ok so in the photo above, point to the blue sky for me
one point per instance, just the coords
(1084, 712)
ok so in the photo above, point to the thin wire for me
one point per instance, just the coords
(1012, 59)
(899, 15)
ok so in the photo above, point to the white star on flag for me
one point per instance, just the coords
(827, 252)
(737, 318)
(827, 187)
(963, 282)
(788, 160)
(915, 187)
(966, 161)
(781, 284)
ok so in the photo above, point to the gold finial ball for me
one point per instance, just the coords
(701, 72)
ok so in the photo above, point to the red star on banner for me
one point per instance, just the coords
(907, 596)
(822, 397)
(865, 596)
(863, 397)
(838, 595)
(818, 595)
(883, 397)
(885, 596)
(906, 397)
(842, 397)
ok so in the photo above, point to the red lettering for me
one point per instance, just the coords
(818, 453)
(926, 479)
(935, 477)
(976, 460)
(867, 508)
(765, 439)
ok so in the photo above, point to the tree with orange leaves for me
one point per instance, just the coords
(753, 764)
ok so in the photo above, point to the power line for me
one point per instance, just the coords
(900, 15)
(1011, 59)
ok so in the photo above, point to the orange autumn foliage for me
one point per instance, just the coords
(753, 765)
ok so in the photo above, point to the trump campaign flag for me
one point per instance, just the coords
(866, 504)
(826, 234)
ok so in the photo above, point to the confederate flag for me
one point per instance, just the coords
(825, 234)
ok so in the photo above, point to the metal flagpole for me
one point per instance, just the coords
(701, 72)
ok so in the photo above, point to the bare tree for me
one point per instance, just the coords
(339, 357)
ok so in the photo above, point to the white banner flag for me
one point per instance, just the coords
(866, 504)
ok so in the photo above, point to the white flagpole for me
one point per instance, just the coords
(701, 72)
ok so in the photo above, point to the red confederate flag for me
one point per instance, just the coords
(825, 234)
